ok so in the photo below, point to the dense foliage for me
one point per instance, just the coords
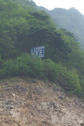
(26, 65)
(23, 26)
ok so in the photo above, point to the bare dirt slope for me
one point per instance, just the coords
(35, 103)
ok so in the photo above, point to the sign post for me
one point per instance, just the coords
(38, 51)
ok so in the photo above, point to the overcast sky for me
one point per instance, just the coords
(51, 4)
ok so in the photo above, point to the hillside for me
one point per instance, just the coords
(23, 27)
(31, 102)
(71, 20)
(34, 90)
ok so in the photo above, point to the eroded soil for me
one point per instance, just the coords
(36, 103)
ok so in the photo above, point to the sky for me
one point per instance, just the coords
(51, 4)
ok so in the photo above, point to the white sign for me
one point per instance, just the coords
(38, 51)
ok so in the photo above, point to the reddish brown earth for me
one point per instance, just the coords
(28, 102)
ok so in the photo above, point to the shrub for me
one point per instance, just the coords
(27, 65)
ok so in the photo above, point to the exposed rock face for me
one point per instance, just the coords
(35, 103)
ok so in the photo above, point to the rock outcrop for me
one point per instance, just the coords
(37, 103)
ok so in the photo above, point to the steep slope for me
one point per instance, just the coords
(71, 20)
(29, 102)
(27, 27)
(24, 27)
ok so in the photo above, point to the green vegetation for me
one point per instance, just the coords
(26, 65)
(23, 26)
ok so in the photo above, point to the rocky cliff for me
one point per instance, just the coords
(28, 102)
